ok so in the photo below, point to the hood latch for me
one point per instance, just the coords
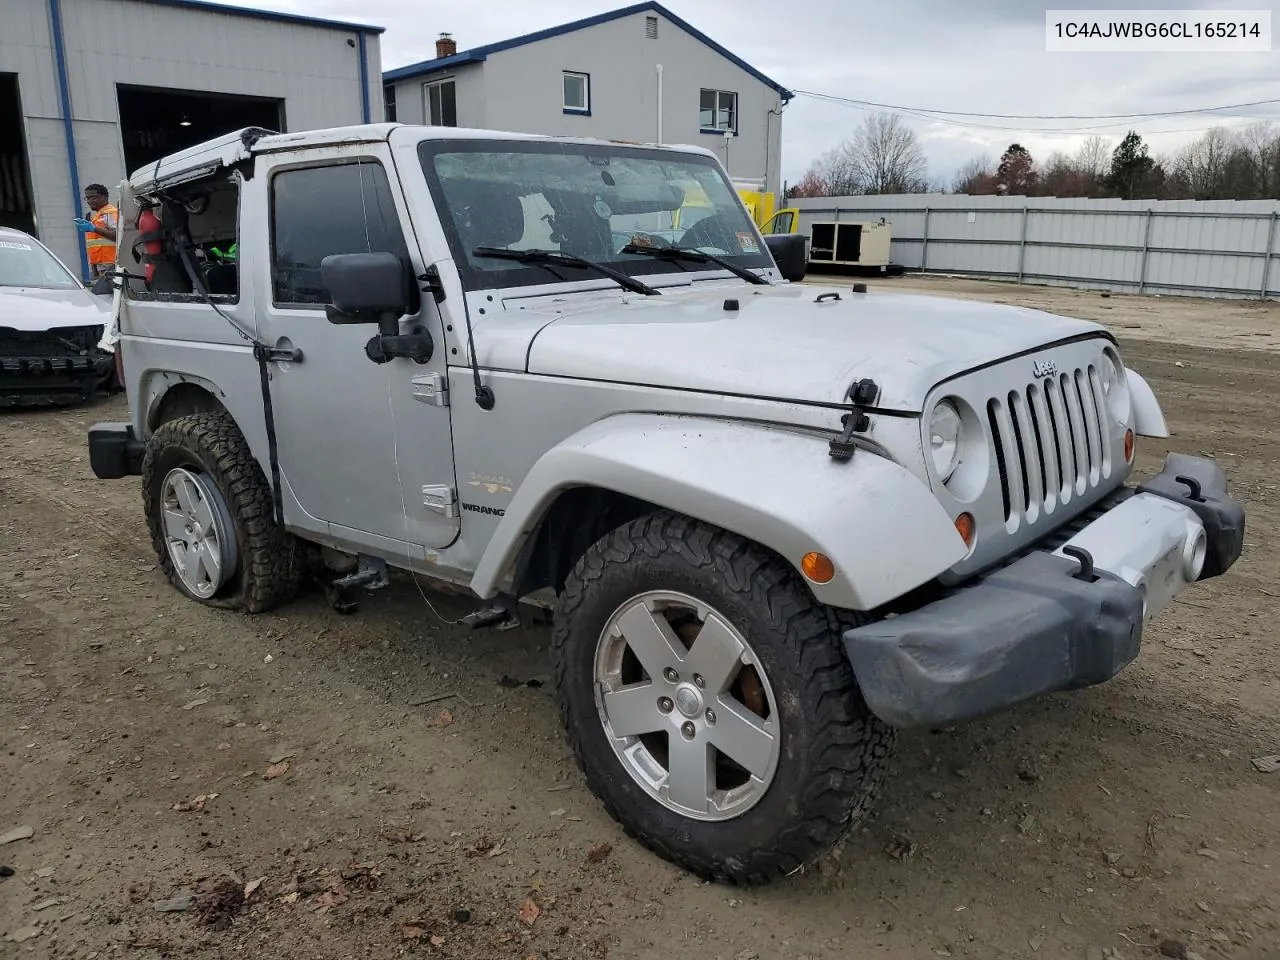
(862, 394)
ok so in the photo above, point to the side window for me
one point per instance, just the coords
(318, 211)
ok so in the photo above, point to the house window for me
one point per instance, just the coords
(651, 27)
(718, 111)
(389, 99)
(441, 103)
(577, 92)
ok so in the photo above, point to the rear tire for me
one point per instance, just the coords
(210, 513)
(770, 683)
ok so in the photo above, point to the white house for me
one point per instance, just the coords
(639, 73)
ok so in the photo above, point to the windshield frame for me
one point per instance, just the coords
(474, 279)
(40, 250)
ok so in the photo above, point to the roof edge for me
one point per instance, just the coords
(481, 53)
(208, 6)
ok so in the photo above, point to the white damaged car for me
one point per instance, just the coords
(50, 325)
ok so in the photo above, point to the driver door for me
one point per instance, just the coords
(344, 457)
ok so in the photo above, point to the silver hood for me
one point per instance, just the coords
(781, 343)
(34, 309)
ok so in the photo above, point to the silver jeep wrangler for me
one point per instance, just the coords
(776, 521)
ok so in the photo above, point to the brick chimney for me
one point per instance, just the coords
(446, 46)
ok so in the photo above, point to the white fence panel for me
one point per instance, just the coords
(1212, 248)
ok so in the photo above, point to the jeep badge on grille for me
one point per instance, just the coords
(1044, 368)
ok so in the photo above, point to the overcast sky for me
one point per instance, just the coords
(970, 55)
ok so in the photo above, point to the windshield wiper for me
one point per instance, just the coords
(553, 257)
(695, 256)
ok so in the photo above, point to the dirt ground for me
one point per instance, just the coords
(430, 808)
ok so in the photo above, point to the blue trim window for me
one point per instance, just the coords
(717, 111)
(577, 93)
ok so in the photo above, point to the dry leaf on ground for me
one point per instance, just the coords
(599, 852)
(396, 836)
(197, 803)
(529, 912)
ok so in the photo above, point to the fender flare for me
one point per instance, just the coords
(882, 528)
(1148, 418)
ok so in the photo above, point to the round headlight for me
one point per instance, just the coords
(944, 439)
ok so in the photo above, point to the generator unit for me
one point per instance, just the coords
(860, 246)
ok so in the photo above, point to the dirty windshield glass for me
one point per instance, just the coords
(27, 264)
(586, 200)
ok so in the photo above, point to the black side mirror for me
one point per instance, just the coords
(366, 287)
(788, 251)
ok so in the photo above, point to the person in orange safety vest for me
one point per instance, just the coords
(99, 229)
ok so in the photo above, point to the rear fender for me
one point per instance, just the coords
(881, 527)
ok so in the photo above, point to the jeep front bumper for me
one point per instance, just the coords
(1045, 622)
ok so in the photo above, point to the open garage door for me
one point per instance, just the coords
(16, 209)
(155, 122)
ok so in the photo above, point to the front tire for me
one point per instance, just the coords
(708, 701)
(209, 510)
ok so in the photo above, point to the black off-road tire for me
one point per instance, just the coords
(834, 751)
(271, 561)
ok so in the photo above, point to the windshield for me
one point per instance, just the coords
(24, 263)
(585, 200)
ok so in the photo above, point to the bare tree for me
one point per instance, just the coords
(883, 156)
(1201, 167)
(1062, 177)
(1093, 159)
(887, 156)
(1261, 145)
(975, 178)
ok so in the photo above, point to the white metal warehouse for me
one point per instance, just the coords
(93, 89)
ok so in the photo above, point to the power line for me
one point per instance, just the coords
(1032, 116)
(972, 124)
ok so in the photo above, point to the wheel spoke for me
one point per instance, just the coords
(690, 774)
(185, 557)
(186, 493)
(651, 639)
(211, 561)
(633, 710)
(175, 525)
(742, 736)
(716, 655)
(204, 516)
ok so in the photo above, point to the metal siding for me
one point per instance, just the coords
(1198, 248)
(108, 42)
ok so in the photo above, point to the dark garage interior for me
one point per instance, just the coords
(16, 208)
(155, 122)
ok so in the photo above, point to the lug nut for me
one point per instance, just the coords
(698, 681)
(671, 675)
(688, 730)
(711, 715)
(665, 704)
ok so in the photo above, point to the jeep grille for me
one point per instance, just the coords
(1051, 442)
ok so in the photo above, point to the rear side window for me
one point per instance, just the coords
(318, 211)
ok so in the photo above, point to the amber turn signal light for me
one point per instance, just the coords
(1128, 445)
(818, 567)
(967, 527)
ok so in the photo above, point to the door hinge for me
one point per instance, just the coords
(431, 388)
(442, 499)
